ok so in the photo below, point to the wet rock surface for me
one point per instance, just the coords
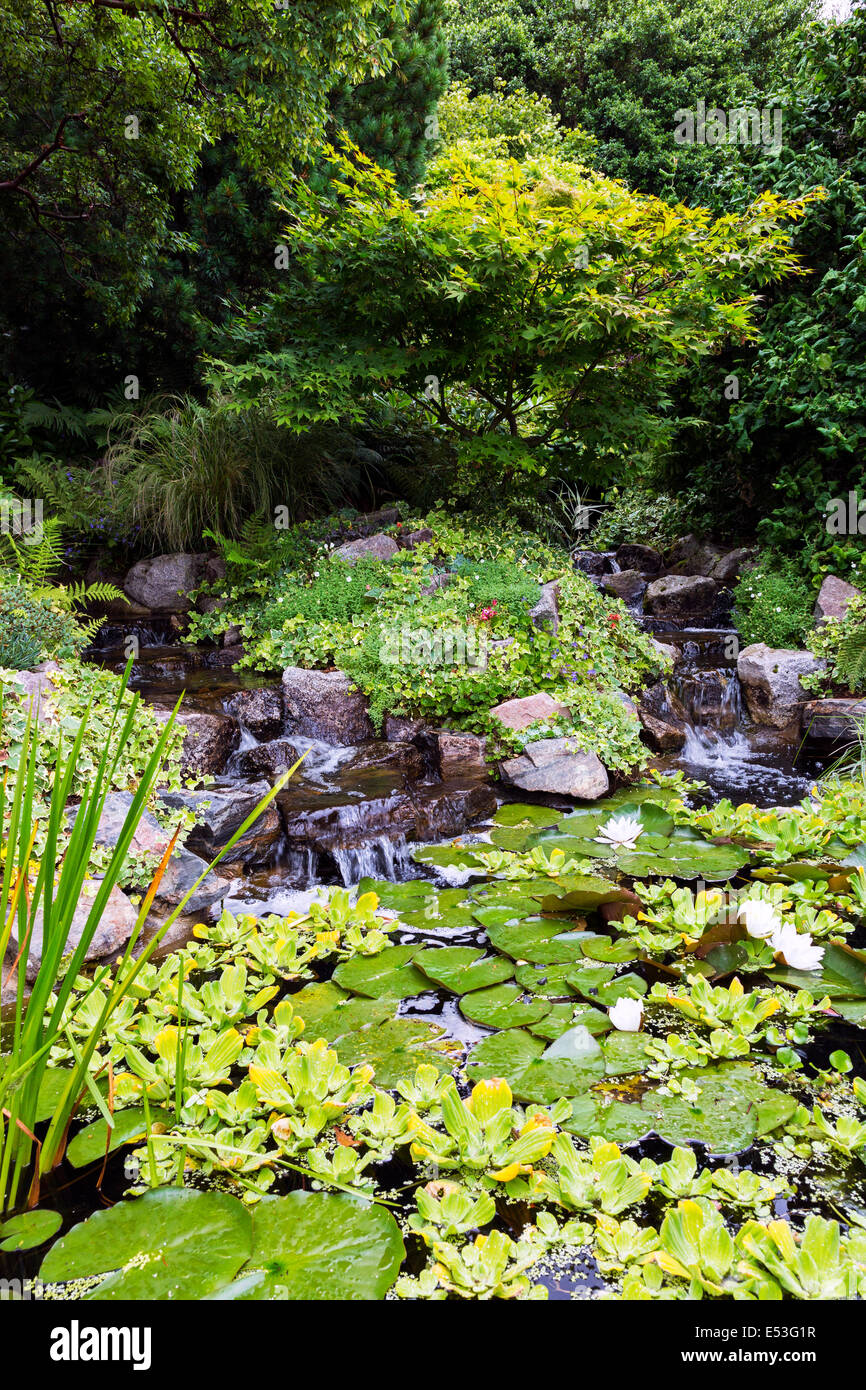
(662, 718)
(681, 596)
(629, 585)
(770, 678)
(260, 711)
(209, 741)
(325, 705)
(555, 765)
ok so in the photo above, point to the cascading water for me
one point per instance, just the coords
(721, 746)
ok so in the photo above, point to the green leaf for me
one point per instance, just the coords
(319, 1246)
(463, 968)
(174, 1243)
(502, 1006)
(130, 1126)
(390, 974)
(29, 1230)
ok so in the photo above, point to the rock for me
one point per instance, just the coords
(269, 760)
(165, 581)
(113, 930)
(681, 596)
(232, 637)
(442, 812)
(727, 568)
(369, 522)
(379, 547)
(663, 718)
(690, 556)
(770, 678)
(629, 585)
(639, 557)
(439, 581)
(519, 714)
(460, 755)
(666, 649)
(592, 562)
(413, 538)
(220, 811)
(38, 686)
(831, 720)
(260, 711)
(398, 729)
(555, 765)
(546, 611)
(210, 739)
(325, 705)
(184, 867)
(833, 600)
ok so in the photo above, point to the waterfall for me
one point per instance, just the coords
(379, 858)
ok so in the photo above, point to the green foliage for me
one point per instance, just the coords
(457, 651)
(773, 604)
(179, 468)
(794, 438)
(622, 69)
(515, 307)
(507, 124)
(392, 118)
(642, 514)
(33, 629)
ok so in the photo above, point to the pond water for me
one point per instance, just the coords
(330, 801)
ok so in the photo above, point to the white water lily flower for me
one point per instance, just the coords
(626, 1015)
(796, 948)
(620, 831)
(760, 919)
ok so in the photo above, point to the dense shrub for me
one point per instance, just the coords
(773, 603)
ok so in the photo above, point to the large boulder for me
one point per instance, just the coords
(164, 582)
(219, 811)
(770, 678)
(269, 760)
(546, 611)
(833, 600)
(260, 711)
(681, 596)
(115, 927)
(691, 556)
(529, 709)
(37, 688)
(642, 558)
(629, 585)
(210, 739)
(556, 765)
(150, 838)
(325, 705)
(727, 568)
(379, 547)
(592, 562)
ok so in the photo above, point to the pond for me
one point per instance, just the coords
(578, 970)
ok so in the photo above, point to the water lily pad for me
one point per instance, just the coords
(532, 939)
(625, 1053)
(390, 974)
(518, 813)
(686, 859)
(603, 948)
(579, 892)
(29, 1230)
(545, 1079)
(590, 978)
(502, 1006)
(613, 1120)
(463, 968)
(503, 1054)
(842, 975)
(130, 1127)
(395, 1048)
(411, 895)
(623, 987)
(572, 846)
(576, 1043)
(317, 1246)
(562, 1017)
(347, 1016)
(449, 857)
(726, 1114)
(313, 1002)
(174, 1243)
(512, 838)
(550, 981)
(506, 914)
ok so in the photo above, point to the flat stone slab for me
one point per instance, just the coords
(379, 547)
(831, 720)
(556, 765)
